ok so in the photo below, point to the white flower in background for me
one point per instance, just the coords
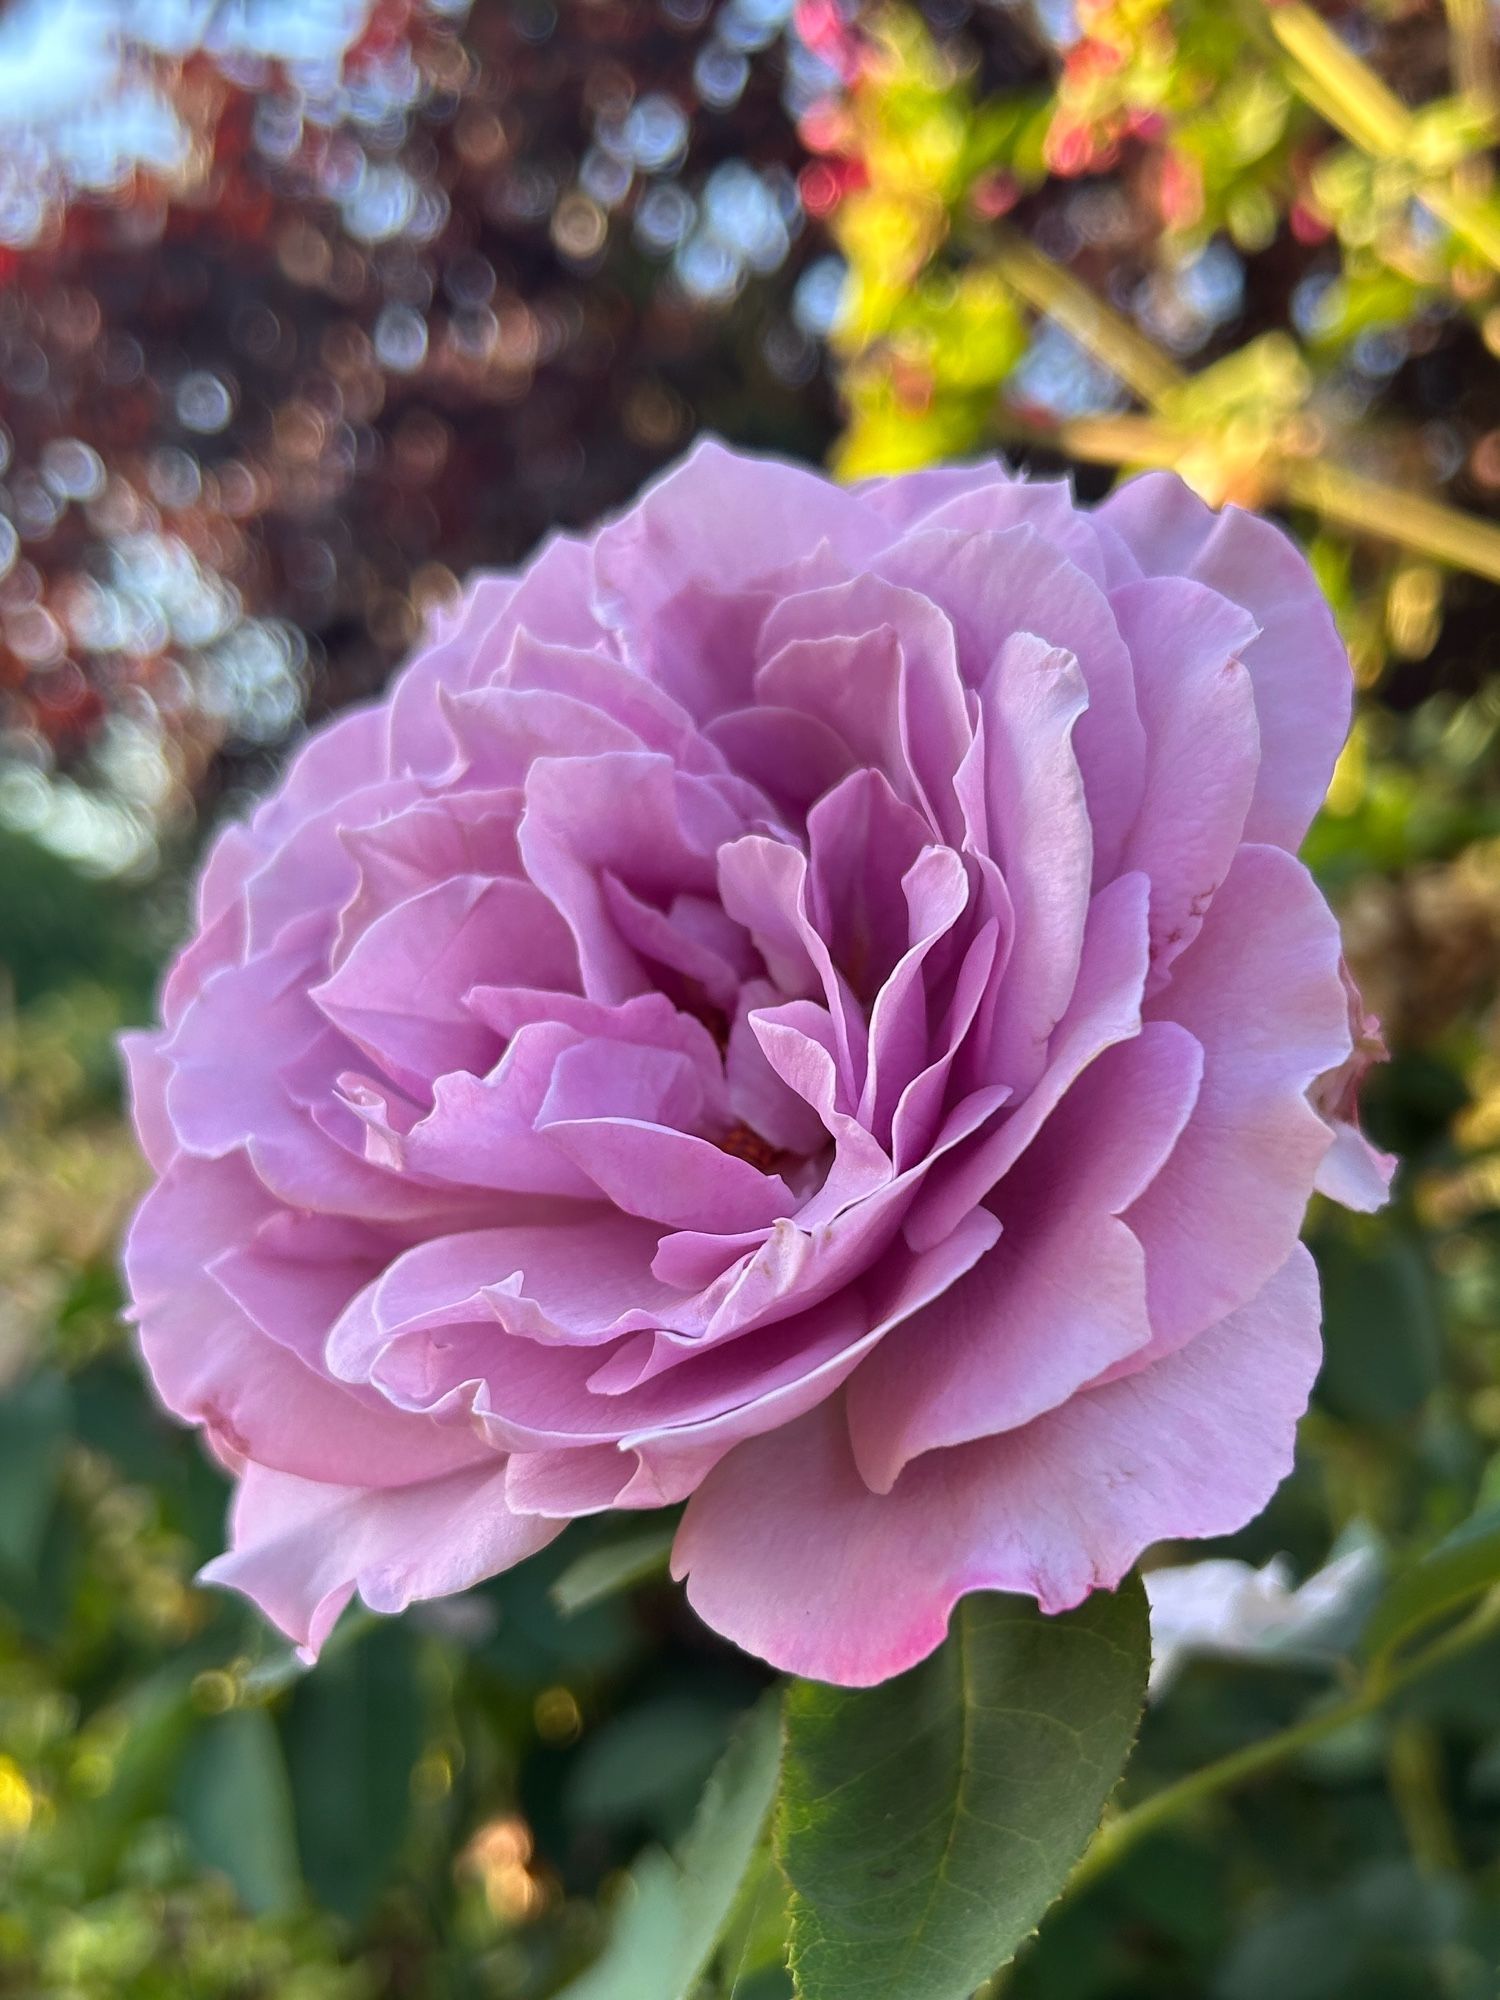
(1229, 1610)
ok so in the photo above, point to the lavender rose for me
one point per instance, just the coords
(802, 1003)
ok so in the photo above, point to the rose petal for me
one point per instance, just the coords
(787, 1551)
(1297, 665)
(301, 1548)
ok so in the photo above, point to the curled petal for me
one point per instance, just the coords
(301, 1548)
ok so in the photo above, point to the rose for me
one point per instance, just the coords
(803, 1003)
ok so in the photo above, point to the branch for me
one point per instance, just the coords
(1326, 74)
(1119, 1836)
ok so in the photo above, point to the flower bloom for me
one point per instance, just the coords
(802, 1003)
(1221, 1609)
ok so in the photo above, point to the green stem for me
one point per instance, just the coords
(1119, 1836)
(1414, 1779)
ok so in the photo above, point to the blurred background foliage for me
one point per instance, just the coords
(308, 306)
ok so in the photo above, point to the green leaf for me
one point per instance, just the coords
(645, 1937)
(751, 1960)
(649, 1761)
(353, 1731)
(670, 1917)
(926, 1824)
(35, 1423)
(236, 1806)
(1462, 1566)
(606, 1571)
(1382, 1336)
(534, 1645)
(156, 1719)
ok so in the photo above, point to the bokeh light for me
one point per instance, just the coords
(255, 260)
